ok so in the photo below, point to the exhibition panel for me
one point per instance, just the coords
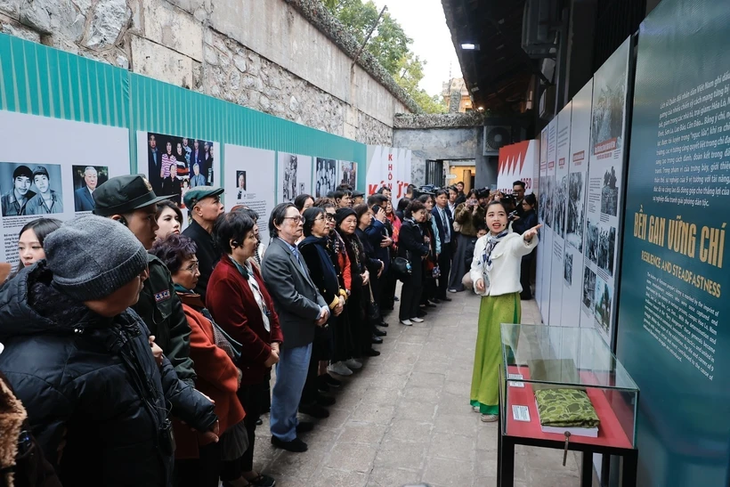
(673, 335)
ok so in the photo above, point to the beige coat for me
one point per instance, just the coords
(504, 277)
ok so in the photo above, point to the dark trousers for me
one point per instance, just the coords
(376, 284)
(525, 271)
(388, 290)
(410, 295)
(201, 472)
(250, 397)
(447, 253)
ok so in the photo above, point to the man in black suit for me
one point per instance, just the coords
(301, 308)
(445, 223)
(83, 199)
(154, 159)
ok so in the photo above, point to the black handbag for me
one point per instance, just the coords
(401, 267)
(373, 309)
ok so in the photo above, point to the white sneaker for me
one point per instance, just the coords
(353, 364)
(406, 322)
(489, 418)
(475, 409)
(340, 369)
(417, 320)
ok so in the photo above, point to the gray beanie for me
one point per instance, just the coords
(91, 257)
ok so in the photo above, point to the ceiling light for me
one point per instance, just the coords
(467, 46)
(481, 109)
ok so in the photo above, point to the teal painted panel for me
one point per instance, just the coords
(39, 80)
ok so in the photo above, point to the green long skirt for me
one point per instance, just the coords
(493, 311)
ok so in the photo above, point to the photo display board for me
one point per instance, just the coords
(604, 213)
(295, 176)
(175, 164)
(325, 177)
(580, 130)
(673, 336)
(542, 267)
(51, 170)
(249, 181)
(561, 267)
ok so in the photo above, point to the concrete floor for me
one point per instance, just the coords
(405, 418)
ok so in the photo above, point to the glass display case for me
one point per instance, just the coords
(561, 387)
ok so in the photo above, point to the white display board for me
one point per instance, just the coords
(542, 288)
(249, 180)
(388, 166)
(173, 164)
(605, 183)
(294, 176)
(55, 154)
(580, 140)
(560, 265)
(546, 240)
(518, 162)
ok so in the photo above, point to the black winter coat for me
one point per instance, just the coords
(92, 383)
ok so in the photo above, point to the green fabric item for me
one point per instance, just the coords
(553, 370)
(493, 311)
(566, 408)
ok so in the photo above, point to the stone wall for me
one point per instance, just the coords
(288, 58)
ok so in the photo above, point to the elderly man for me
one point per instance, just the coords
(15, 200)
(301, 308)
(204, 205)
(83, 197)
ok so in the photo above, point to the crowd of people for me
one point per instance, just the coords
(138, 353)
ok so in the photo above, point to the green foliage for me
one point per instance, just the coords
(389, 44)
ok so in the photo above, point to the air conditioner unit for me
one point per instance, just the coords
(496, 137)
(539, 21)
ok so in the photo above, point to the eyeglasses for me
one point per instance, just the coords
(295, 219)
(330, 217)
(193, 267)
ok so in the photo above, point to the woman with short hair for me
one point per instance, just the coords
(196, 464)
(31, 238)
(240, 303)
(414, 247)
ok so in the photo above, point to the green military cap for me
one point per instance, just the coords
(123, 194)
(198, 193)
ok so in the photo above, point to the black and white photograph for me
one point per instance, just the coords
(240, 185)
(289, 182)
(568, 268)
(30, 189)
(85, 180)
(589, 287)
(171, 160)
(576, 209)
(325, 177)
(609, 192)
(601, 245)
(549, 198)
(593, 233)
(348, 173)
(559, 204)
(603, 300)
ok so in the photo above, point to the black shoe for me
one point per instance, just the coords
(305, 427)
(396, 298)
(375, 339)
(322, 386)
(445, 298)
(315, 411)
(383, 324)
(525, 297)
(380, 333)
(372, 353)
(262, 481)
(331, 381)
(259, 422)
(421, 313)
(435, 300)
(323, 400)
(296, 445)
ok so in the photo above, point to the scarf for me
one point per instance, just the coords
(258, 296)
(492, 241)
(329, 275)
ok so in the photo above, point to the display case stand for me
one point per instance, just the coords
(506, 455)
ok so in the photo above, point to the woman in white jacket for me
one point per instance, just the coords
(495, 272)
